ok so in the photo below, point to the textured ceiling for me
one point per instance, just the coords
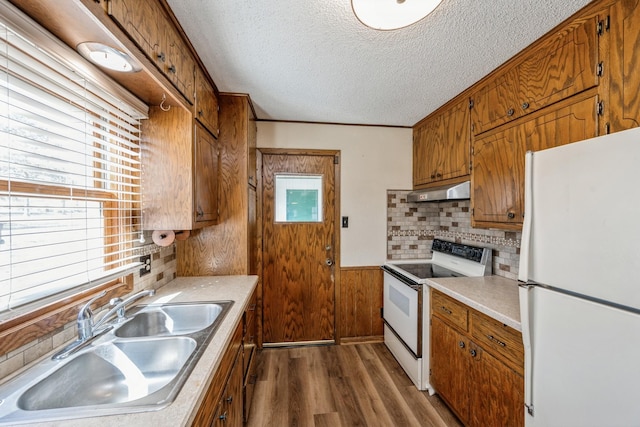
(313, 61)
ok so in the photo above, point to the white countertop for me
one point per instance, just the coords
(494, 296)
(184, 407)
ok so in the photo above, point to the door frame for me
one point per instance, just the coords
(336, 229)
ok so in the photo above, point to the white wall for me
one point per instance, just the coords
(374, 159)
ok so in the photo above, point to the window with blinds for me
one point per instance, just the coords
(69, 175)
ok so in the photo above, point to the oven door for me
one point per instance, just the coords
(403, 311)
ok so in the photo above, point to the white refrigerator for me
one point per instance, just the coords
(580, 283)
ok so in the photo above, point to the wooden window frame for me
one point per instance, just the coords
(32, 321)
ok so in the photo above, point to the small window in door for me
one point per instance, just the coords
(298, 198)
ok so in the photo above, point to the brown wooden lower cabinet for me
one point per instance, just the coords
(222, 404)
(484, 386)
(250, 355)
(230, 407)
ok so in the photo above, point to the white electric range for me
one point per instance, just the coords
(407, 300)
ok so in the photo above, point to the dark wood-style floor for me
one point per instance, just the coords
(348, 385)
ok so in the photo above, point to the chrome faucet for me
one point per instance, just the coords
(119, 306)
(85, 319)
(87, 329)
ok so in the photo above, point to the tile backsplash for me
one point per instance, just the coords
(411, 228)
(163, 270)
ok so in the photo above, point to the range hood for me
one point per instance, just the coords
(461, 191)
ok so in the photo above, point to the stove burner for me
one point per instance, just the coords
(427, 270)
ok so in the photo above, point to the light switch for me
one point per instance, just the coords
(345, 222)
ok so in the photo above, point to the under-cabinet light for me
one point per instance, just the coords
(108, 57)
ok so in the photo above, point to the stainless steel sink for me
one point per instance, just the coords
(114, 372)
(138, 366)
(175, 319)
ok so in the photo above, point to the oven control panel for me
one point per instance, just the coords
(472, 253)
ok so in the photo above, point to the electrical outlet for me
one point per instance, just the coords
(146, 267)
(345, 222)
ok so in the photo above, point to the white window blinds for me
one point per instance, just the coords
(69, 175)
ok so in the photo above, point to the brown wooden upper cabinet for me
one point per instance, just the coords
(181, 172)
(148, 25)
(205, 177)
(624, 92)
(206, 106)
(497, 194)
(563, 65)
(441, 146)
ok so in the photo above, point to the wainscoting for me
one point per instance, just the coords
(360, 304)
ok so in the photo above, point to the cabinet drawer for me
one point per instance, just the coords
(499, 339)
(449, 310)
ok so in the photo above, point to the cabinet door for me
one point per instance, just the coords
(229, 412)
(441, 146)
(252, 142)
(498, 178)
(498, 175)
(140, 20)
(497, 395)
(206, 103)
(495, 103)
(180, 65)
(206, 162)
(450, 365)
(563, 65)
(624, 101)
(422, 162)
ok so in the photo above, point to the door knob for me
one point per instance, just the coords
(329, 262)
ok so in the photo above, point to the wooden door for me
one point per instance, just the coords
(299, 247)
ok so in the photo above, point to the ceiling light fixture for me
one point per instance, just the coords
(392, 14)
(108, 57)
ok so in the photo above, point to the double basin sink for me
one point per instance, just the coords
(138, 365)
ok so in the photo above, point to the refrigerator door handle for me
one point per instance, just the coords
(524, 294)
(523, 272)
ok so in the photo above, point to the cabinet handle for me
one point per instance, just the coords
(511, 215)
(172, 69)
(223, 417)
(446, 310)
(200, 113)
(200, 212)
(161, 56)
(229, 399)
(438, 175)
(497, 341)
(473, 353)
(433, 175)
(525, 105)
(510, 112)
(461, 344)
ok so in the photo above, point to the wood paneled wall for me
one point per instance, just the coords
(360, 303)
